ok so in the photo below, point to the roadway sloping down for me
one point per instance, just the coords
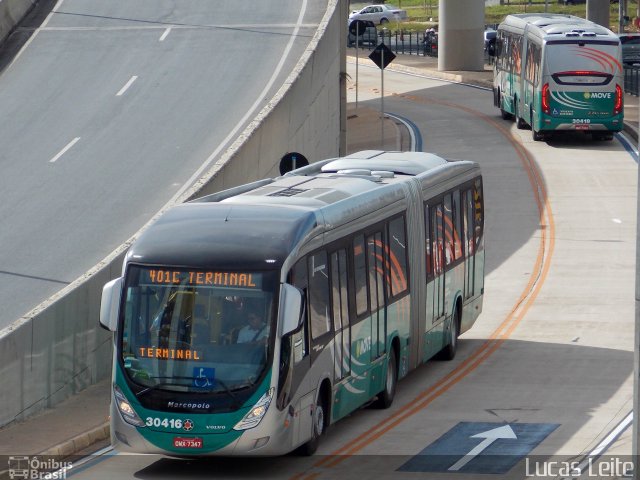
(108, 110)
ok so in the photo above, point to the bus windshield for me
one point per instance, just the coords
(582, 63)
(187, 330)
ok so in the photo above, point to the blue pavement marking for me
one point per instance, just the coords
(485, 448)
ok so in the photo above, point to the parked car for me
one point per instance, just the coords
(378, 14)
(369, 35)
(630, 47)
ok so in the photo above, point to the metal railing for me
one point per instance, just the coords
(631, 79)
(412, 43)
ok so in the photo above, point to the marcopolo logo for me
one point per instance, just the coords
(597, 95)
(37, 468)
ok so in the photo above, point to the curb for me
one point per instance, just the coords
(79, 442)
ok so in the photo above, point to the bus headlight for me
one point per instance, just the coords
(254, 416)
(126, 410)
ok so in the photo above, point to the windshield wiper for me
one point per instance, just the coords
(159, 386)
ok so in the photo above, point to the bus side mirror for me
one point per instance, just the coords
(110, 303)
(291, 308)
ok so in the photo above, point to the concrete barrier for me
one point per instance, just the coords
(58, 349)
(11, 12)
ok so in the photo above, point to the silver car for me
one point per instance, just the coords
(379, 14)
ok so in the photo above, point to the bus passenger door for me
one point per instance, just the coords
(340, 306)
(437, 309)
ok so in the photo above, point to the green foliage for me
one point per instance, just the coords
(424, 13)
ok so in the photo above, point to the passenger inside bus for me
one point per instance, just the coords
(255, 330)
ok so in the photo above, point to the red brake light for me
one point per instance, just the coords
(617, 106)
(545, 99)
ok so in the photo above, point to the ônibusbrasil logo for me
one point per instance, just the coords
(37, 468)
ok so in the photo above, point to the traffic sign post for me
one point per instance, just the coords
(382, 56)
(357, 28)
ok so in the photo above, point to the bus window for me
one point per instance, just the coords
(479, 212)
(427, 245)
(360, 275)
(457, 226)
(398, 257)
(448, 231)
(299, 339)
(319, 317)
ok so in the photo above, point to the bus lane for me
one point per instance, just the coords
(562, 363)
(548, 361)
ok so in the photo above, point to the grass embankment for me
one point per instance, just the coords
(424, 13)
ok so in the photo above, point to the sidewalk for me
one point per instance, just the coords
(81, 422)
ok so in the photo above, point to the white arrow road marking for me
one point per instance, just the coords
(490, 436)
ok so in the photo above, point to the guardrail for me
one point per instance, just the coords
(413, 43)
(632, 79)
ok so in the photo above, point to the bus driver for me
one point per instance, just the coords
(256, 330)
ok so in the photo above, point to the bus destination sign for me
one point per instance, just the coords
(200, 277)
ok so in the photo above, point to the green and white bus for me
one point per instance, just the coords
(352, 271)
(558, 73)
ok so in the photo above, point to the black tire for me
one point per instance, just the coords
(536, 135)
(519, 121)
(503, 113)
(385, 398)
(384, 21)
(319, 426)
(449, 352)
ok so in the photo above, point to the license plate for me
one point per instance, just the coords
(582, 127)
(182, 442)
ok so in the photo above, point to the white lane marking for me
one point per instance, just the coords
(126, 86)
(35, 34)
(64, 150)
(164, 35)
(250, 111)
(606, 443)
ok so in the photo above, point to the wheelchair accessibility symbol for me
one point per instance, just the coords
(204, 377)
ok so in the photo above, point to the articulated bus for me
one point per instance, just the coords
(249, 320)
(559, 73)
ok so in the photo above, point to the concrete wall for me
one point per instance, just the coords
(11, 12)
(58, 348)
(460, 37)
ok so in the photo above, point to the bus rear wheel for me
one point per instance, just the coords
(536, 135)
(519, 121)
(385, 398)
(449, 352)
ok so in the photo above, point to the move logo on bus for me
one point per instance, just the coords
(596, 95)
(363, 346)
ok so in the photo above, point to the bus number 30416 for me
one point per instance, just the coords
(163, 422)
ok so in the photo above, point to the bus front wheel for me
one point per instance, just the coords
(319, 424)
